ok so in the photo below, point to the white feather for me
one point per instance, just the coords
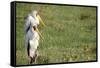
(34, 43)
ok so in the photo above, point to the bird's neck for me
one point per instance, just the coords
(36, 17)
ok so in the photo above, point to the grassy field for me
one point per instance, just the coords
(70, 35)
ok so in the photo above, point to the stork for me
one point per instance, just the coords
(32, 35)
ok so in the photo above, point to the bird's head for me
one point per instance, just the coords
(34, 13)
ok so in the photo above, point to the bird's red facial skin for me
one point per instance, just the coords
(33, 28)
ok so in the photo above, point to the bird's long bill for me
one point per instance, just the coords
(40, 33)
(41, 20)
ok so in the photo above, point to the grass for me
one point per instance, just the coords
(70, 35)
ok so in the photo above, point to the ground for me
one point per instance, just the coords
(69, 35)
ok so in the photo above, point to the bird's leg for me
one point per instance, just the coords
(36, 55)
(31, 60)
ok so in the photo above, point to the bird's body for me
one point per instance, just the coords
(30, 22)
(32, 37)
(34, 43)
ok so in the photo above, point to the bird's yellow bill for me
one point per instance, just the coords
(41, 20)
(40, 33)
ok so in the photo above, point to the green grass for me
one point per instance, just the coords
(70, 35)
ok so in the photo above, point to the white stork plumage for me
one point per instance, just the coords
(32, 36)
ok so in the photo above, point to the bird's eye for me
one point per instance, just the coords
(34, 27)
